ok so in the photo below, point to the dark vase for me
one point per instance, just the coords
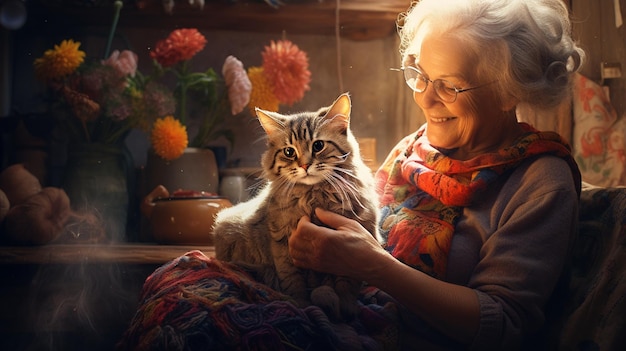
(96, 180)
(196, 170)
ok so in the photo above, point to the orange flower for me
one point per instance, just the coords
(287, 68)
(84, 108)
(262, 94)
(180, 45)
(169, 138)
(59, 62)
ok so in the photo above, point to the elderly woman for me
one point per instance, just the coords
(478, 208)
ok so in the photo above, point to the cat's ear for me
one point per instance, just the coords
(339, 112)
(269, 123)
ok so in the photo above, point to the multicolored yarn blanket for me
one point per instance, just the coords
(200, 303)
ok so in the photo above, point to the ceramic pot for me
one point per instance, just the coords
(182, 220)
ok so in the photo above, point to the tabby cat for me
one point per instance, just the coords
(312, 160)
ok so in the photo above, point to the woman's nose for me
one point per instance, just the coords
(427, 98)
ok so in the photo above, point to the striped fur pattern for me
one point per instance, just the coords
(312, 160)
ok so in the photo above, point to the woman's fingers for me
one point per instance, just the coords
(300, 242)
(331, 219)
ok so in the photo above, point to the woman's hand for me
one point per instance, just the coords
(342, 249)
(347, 249)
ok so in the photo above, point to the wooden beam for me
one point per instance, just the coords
(358, 19)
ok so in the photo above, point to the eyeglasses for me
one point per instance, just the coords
(417, 81)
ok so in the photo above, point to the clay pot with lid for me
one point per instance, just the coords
(182, 218)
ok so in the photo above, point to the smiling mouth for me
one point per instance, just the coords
(441, 119)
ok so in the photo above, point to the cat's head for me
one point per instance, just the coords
(309, 147)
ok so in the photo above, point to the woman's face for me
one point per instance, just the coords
(473, 124)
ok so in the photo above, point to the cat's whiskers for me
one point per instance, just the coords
(348, 192)
(256, 187)
(349, 172)
(283, 184)
(349, 185)
(344, 157)
(342, 171)
(333, 179)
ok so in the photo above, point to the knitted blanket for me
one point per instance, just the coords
(199, 303)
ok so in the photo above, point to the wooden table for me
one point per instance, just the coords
(80, 254)
(74, 297)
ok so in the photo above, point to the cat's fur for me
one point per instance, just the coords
(312, 160)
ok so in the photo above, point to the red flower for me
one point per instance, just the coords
(181, 45)
(287, 69)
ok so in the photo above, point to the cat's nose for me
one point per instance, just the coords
(305, 166)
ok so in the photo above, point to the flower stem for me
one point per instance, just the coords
(183, 104)
(184, 86)
(117, 7)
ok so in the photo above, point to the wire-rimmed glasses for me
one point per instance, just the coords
(417, 81)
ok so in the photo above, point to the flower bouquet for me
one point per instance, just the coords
(100, 101)
(96, 102)
(283, 78)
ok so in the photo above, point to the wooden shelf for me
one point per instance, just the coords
(92, 254)
(358, 19)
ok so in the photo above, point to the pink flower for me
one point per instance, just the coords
(92, 81)
(125, 62)
(120, 111)
(238, 83)
(99, 82)
(159, 99)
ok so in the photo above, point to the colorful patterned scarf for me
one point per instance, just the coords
(423, 192)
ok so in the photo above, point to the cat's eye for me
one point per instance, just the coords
(289, 152)
(318, 146)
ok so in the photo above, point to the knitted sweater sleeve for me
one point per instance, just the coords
(525, 233)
